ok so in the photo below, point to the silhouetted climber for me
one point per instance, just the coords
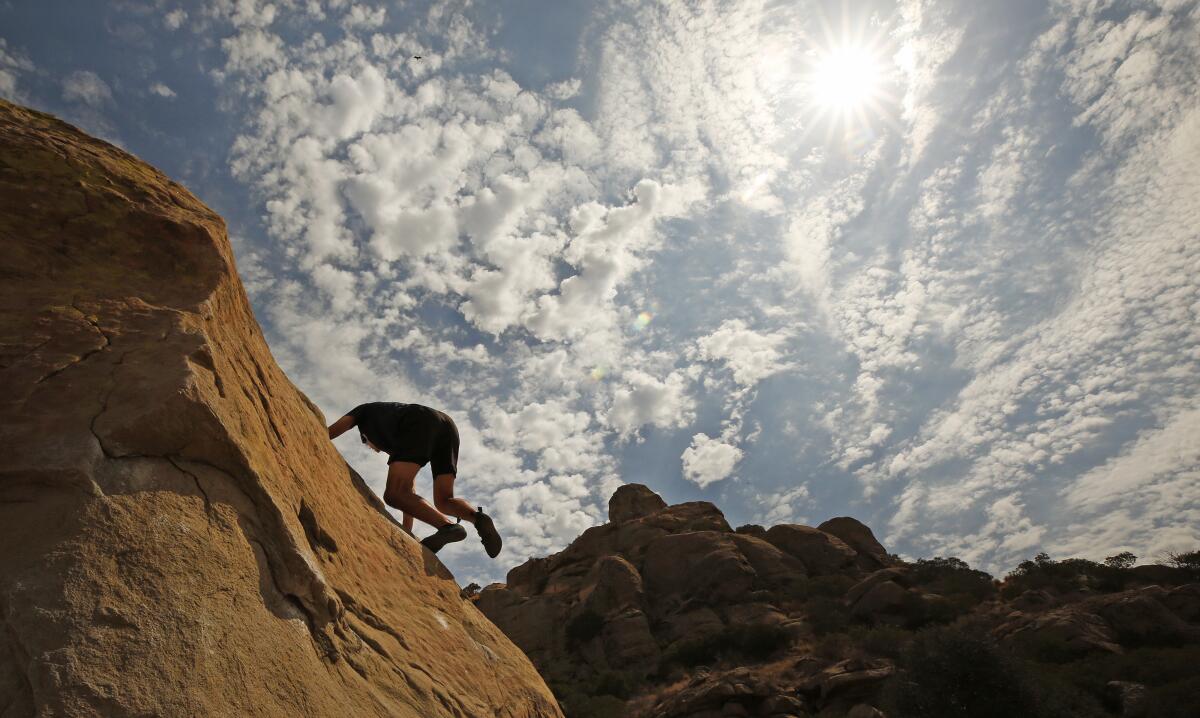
(413, 435)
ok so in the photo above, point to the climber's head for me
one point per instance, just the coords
(367, 441)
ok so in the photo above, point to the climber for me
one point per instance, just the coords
(413, 435)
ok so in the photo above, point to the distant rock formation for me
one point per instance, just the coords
(657, 579)
(666, 612)
(177, 534)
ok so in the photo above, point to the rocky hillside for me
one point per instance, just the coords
(177, 534)
(666, 611)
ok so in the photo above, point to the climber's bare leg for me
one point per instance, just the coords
(400, 495)
(444, 500)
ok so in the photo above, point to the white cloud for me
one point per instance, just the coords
(709, 460)
(175, 19)
(565, 89)
(642, 399)
(926, 39)
(607, 245)
(162, 90)
(13, 64)
(86, 86)
(780, 507)
(363, 17)
(751, 355)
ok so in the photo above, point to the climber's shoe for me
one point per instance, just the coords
(487, 533)
(446, 534)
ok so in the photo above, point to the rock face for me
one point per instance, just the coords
(858, 536)
(631, 596)
(664, 612)
(179, 536)
(633, 501)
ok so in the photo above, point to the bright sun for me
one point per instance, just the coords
(846, 79)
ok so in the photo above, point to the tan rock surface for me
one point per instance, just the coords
(179, 535)
(858, 536)
(821, 553)
(633, 501)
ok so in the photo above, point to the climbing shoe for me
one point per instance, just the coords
(487, 533)
(446, 534)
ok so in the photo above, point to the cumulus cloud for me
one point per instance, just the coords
(565, 89)
(643, 399)
(751, 355)
(162, 90)
(175, 19)
(709, 460)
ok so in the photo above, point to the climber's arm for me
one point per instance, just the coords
(340, 426)
(408, 521)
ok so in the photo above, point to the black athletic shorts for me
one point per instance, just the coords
(410, 432)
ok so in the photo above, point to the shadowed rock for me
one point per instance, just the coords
(633, 501)
(821, 553)
(858, 536)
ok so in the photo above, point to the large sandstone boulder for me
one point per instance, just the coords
(894, 575)
(629, 644)
(858, 536)
(883, 600)
(179, 535)
(773, 568)
(821, 553)
(1139, 618)
(614, 586)
(1184, 601)
(633, 501)
(1070, 630)
(703, 565)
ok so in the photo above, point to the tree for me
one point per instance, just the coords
(1185, 559)
(1124, 559)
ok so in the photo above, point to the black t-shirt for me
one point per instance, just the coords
(404, 431)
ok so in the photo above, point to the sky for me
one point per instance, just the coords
(931, 264)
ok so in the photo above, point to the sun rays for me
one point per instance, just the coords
(836, 85)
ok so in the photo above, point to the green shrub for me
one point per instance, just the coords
(834, 646)
(762, 640)
(948, 672)
(595, 707)
(832, 586)
(584, 627)
(614, 683)
(1180, 699)
(882, 640)
(826, 615)
(696, 651)
(755, 642)
(1173, 688)
(1066, 576)
(954, 579)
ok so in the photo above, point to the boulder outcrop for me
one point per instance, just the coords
(659, 586)
(179, 536)
(664, 612)
(633, 501)
(858, 536)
